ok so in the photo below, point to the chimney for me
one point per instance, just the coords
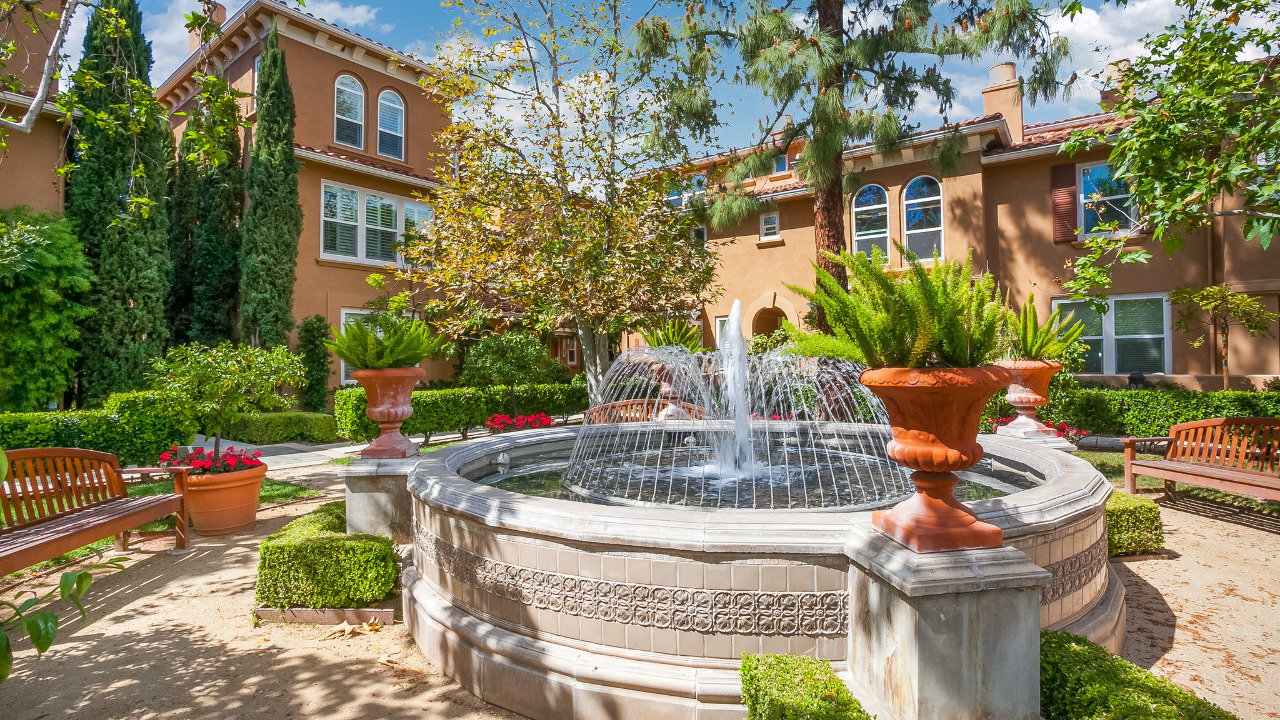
(1111, 83)
(217, 15)
(1001, 95)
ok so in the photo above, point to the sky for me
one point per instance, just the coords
(1101, 34)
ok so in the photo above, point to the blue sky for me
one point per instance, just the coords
(1102, 33)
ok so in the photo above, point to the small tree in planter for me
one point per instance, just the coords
(386, 351)
(925, 336)
(508, 359)
(209, 387)
(1217, 308)
(1033, 363)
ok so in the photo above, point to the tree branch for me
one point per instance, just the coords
(28, 120)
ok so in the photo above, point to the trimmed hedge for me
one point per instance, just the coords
(1080, 680)
(313, 563)
(1150, 413)
(790, 687)
(1133, 525)
(437, 411)
(134, 426)
(282, 427)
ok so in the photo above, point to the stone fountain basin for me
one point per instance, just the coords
(558, 609)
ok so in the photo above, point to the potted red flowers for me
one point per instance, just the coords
(208, 387)
(925, 336)
(1033, 369)
(386, 351)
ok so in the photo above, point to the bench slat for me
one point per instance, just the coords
(1259, 485)
(27, 546)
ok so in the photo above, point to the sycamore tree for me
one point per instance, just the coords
(842, 71)
(1195, 137)
(548, 207)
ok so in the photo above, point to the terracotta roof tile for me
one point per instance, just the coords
(776, 189)
(1033, 139)
(364, 161)
(389, 49)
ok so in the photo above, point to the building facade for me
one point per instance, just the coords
(27, 166)
(1016, 201)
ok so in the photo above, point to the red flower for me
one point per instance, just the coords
(773, 417)
(164, 457)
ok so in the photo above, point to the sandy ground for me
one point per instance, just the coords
(1208, 615)
(171, 637)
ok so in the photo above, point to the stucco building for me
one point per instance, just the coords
(1016, 201)
(27, 166)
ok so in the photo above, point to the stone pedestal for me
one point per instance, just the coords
(378, 499)
(944, 636)
(1028, 428)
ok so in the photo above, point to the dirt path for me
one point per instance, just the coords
(1209, 619)
(171, 637)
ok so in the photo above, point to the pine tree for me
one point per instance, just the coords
(273, 220)
(182, 228)
(115, 203)
(215, 265)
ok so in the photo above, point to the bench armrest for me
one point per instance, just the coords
(1135, 440)
(179, 473)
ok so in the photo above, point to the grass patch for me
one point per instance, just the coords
(342, 460)
(1111, 465)
(273, 491)
(441, 446)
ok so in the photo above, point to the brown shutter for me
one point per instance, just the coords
(1062, 182)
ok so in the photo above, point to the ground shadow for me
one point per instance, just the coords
(1224, 512)
(1151, 623)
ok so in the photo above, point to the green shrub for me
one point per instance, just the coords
(283, 427)
(135, 426)
(789, 687)
(436, 411)
(317, 361)
(1150, 413)
(1079, 680)
(1133, 525)
(312, 562)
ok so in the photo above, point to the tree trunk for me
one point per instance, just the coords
(595, 359)
(828, 200)
(1226, 374)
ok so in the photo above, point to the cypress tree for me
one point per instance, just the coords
(182, 228)
(273, 220)
(118, 165)
(215, 261)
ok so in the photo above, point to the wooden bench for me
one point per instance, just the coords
(639, 410)
(1240, 455)
(54, 500)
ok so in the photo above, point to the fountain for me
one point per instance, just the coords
(716, 503)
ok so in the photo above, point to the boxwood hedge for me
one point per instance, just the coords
(313, 563)
(1149, 413)
(457, 409)
(135, 426)
(1080, 680)
(1133, 525)
(282, 427)
(790, 687)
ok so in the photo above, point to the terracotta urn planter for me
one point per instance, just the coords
(389, 392)
(934, 414)
(223, 503)
(1028, 392)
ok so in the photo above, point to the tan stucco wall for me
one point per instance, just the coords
(28, 170)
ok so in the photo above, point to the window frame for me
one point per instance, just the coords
(343, 313)
(786, 164)
(361, 257)
(777, 223)
(1109, 336)
(941, 229)
(336, 116)
(1082, 199)
(404, 121)
(853, 214)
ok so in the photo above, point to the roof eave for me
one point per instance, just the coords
(354, 166)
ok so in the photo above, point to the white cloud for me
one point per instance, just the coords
(348, 16)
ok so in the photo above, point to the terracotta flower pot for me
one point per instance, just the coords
(226, 502)
(1028, 391)
(934, 414)
(390, 393)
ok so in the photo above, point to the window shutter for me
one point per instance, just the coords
(1062, 181)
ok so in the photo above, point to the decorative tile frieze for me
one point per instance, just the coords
(1074, 572)
(812, 614)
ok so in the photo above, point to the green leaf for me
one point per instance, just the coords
(42, 628)
(6, 657)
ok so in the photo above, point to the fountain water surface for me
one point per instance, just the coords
(729, 429)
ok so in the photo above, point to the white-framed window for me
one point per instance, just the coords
(871, 221)
(721, 322)
(348, 112)
(780, 163)
(678, 195)
(922, 214)
(1101, 199)
(1131, 336)
(257, 73)
(364, 226)
(770, 229)
(391, 125)
(344, 372)
(571, 351)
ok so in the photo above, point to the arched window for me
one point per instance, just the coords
(871, 221)
(348, 112)
(390, 125)
(922, 208)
